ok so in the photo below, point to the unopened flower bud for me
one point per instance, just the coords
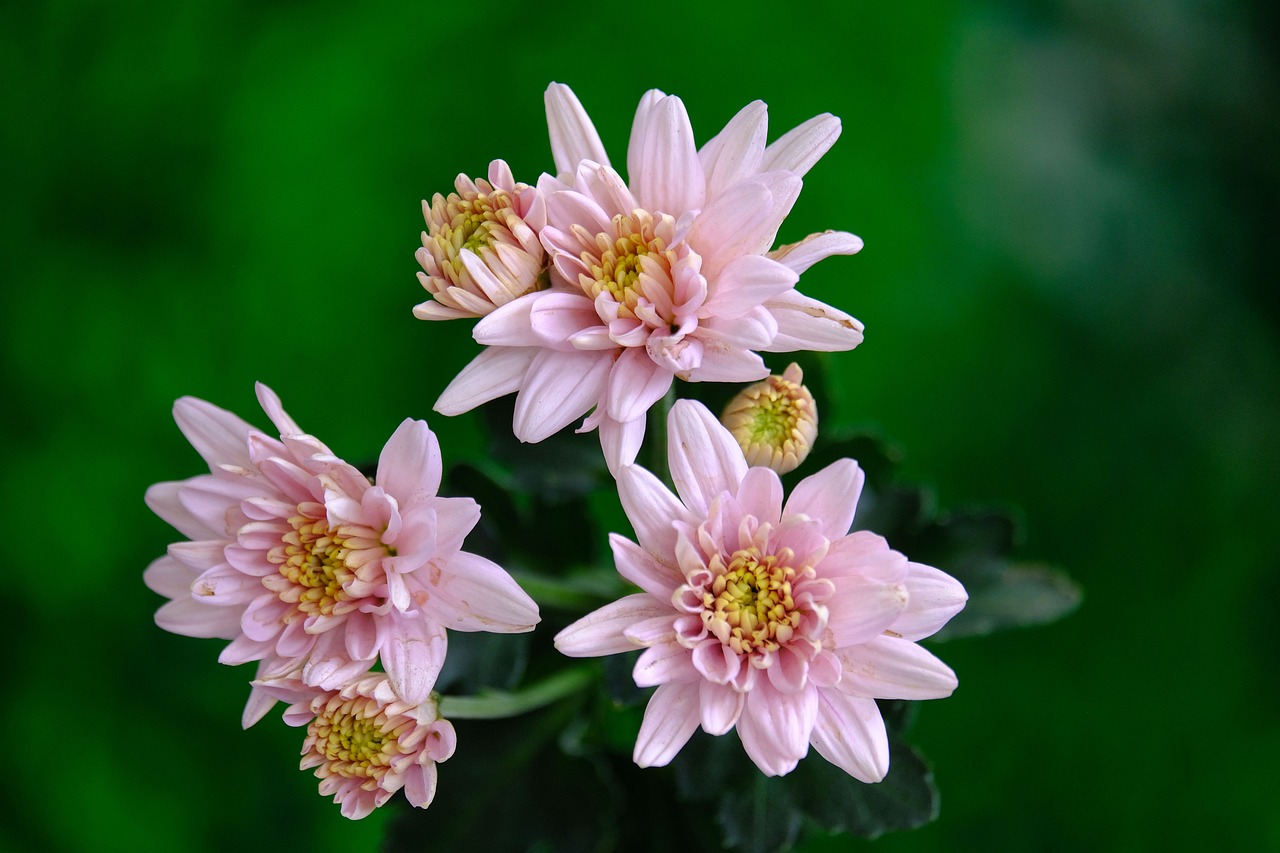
(775, 421)
(481, 248)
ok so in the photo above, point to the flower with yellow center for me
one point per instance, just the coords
(667, 275)
(761, 615)
(775, 421)
(364, 743)
(481, 249)
(304, 564)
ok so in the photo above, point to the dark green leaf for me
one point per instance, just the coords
(1012, 596)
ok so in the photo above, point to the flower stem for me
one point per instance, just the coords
(657, 434)
(498, 704)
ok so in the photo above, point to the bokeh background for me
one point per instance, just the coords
(1071, 217)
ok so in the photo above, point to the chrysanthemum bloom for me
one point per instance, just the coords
(305, 565)
(775, 422)
(668, 276)
(481, 248)
(765, 616)
(366, 743)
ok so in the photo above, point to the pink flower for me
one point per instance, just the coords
(481, 249)
(307, 567)
(765, 616)
(669, 276)
(365, 743)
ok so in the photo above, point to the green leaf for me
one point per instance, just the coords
(1010, 595)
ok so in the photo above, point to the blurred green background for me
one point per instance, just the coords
(1071, 217)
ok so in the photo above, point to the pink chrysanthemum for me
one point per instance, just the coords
(765, 616)
(305, 565)
(481, 248)
(366, 743)
(667, 276)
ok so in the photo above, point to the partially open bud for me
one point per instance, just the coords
(775, 421)
(481, 248)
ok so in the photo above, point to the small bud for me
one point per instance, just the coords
(775, 421)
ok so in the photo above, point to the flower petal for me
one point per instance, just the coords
(651, 509)
(665, 173)
(220, 437)
(573, 136)
(601, 631)
(830, 496)
(807, 324)
(409, 466)
(893, 668)
(775, 727)
(642, 569)
(494, 372)
(935, 597)
(476, 594)
(720, 707)
(705, 458)
(799, 148)
(412, 654)
(859, 610)
(798, 257)
(558, 388)
(735, 152)
(670, 719)
(849, 732)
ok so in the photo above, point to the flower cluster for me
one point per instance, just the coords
(592, 295)
(667, 276)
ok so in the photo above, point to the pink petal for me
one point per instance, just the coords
(722, 363)
(220, 437)
(664, 663)
(866, 557)
(420, 784)
(164, 500)
(760, 495)
(775, 727)
(935, 597)
(573, 136)
(194, 619)
(476, 594)
(799, 148)
(640, 126)
(705, 459)
(556, 318)
(800, 256)
(642, 569)
(807, 324)
(737, 223)
(558, 389)
(715, 661)
(748, 281)
(665, 174)
(735, 152)
(651, 509)
(859, 610)
(670, 720)
(893, 668)
(275, 410)
(509, 325)
(635, 384)
(260, 702)
(620, 442)
(830, 496)
(491, 374)
(412, 654)
(849, 732)
(720, 707)
(601, 631)
(409, 466)
(169, 578)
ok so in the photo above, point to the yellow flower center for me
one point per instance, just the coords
(748, 606)
(617, 263)
(353, 743)
(468, 223)
(317, 563)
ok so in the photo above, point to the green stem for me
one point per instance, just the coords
(498, 704)
(657, 435)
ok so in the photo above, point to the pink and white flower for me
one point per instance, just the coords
(667, 276)
(481, 248)
(309, 568)
(365, 742)
(765, 616)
